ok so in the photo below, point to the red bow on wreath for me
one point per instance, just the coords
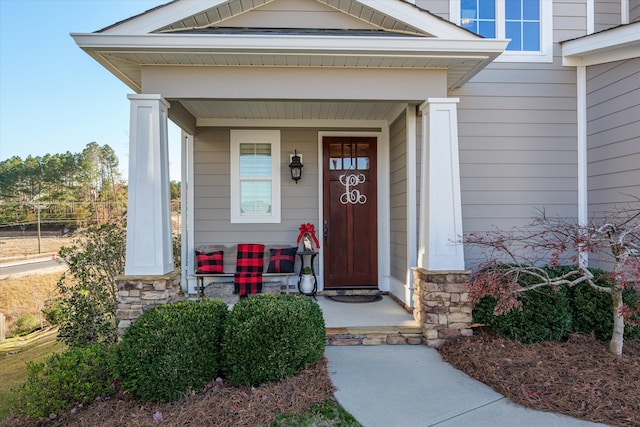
(308, 230)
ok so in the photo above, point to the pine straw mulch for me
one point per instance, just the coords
(220, 405)
(579, 378)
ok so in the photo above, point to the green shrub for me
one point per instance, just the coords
(77, 376)
(172, 348)
(270, 337)
(592, 310)
(24, 324)
(53, 312)
(88, 290)
(545, 316)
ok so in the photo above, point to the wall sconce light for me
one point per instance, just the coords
(296, 167)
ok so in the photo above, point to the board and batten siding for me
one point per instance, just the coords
(613, 134)
(212, 190)
(518, 137)
(398, 202)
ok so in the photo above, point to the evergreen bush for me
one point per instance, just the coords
(545, 316)
(171, 349)
(270, 337)
(88, 290)
(548, 314)
(592, 310)
(64, 380)
(24, 324)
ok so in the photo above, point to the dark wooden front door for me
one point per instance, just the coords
(350, 220)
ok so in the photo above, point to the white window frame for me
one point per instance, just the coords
(255, 137)
(545, 54)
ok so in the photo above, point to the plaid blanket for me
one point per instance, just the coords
(249, 267)
(247, 283)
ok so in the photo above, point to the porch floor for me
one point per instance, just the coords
(385, 312)
(376, 323)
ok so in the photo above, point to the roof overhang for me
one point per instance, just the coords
(125, 55)
(616, 44)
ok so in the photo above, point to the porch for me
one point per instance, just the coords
(373, 323)
(441, 309)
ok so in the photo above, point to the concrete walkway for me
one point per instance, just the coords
(396, 386)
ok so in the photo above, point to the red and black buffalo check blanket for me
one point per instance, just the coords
(249, 266)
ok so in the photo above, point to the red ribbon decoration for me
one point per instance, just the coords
(309, 230)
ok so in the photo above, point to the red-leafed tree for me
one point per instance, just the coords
(521, 253)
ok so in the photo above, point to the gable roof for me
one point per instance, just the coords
(389, 15)
(195, 33)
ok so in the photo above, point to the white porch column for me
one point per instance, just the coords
(440, 203)
(149, 247)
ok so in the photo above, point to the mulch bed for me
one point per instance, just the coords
(579, 377)
(220, 405)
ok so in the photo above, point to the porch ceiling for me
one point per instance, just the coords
(207, 111)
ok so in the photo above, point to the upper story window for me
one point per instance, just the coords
(255, 176)
(528, 23)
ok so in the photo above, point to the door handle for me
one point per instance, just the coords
(325, 231)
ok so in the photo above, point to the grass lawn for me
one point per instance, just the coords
(15, 352)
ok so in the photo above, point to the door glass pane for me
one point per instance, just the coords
(255, 197)
(349, 156)
(335, 156)
(363, 156)
(255, 160)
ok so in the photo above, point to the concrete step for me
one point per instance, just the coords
(374, 335)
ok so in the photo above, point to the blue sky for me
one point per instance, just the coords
(54, 97)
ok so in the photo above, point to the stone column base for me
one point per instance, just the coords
(442, 306)
(139, 293)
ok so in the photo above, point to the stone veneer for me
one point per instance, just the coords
(139, 293)
(441, 304)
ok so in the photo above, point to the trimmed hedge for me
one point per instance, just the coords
(545, 316)
(593, 310)
(549, 315)
(270, 337)
(172, 348)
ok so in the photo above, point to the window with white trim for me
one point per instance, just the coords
(528, 23)
(255, 176)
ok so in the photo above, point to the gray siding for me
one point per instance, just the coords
(296, 14)
(437, 7)
(613, 133)
(607, 14)
(212, 191)
(634, 10)
(398, 203)
(517, 135)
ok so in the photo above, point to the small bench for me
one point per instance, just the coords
(223, 280)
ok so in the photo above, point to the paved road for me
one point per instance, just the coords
(29, 265)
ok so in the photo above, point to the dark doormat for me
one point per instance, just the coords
(354, 298)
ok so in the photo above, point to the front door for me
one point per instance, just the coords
(350, 220)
